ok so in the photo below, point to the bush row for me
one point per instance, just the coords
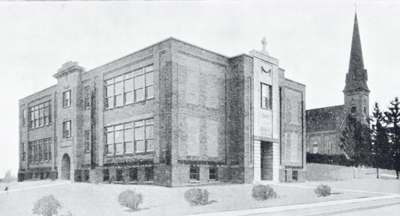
(328, 159)
(49, 206)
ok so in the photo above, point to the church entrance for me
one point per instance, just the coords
(65, 167)
(266, 161)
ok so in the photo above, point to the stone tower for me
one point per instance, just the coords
(356, 92)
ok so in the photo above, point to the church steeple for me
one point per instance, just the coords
(356, 92)
(356, 78)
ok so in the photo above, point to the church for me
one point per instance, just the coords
(325, 125)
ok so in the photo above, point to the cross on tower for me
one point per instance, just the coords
(264, 44)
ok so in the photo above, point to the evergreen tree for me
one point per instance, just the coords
(380, 148)
(392, 118)
(356, 142)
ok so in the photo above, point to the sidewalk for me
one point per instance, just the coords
(315, 207)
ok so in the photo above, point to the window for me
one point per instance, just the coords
(128, 88)
(86, 175)
(109, 140)
(118, 91)
(106, 175)
(213, 173)
(87, 140)
(353, 109)
(39, 150)
(66, 129)
(139, 137)
(119, 139)
(149, 135)
(365, 110)
(194, 173)
(24, 113)
(148, 173)
(266, 96)
(119, 175)
(149, 81)
(315, 148)
(130, 137)
(39, 115)
(133, 174)
(66, 98)
(295, 175)
(128, 92)
(23, 152)
(87, 95)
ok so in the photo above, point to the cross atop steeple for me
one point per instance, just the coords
(264, 44)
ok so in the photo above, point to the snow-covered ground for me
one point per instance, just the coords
(101, 199)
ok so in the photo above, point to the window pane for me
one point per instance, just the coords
(128, 97)
(139, 123)
(139, 133)
(110, 149)
(138, 72)
(128, 75)
(140, 146)
(128, 133)
(110, 102)
(119, 100)
(129, 147)
(139, 82)
(110, 90)
(109, 81)
(110, 138)
(119, 148)
(149, 92)
(149, 79)
(128, 85)
(149, 68)
(139, 94)
(128, 125)
(119, 88)
(119, 137)
(149, 132)
(150, 146)
(149, 121)
(118, 79)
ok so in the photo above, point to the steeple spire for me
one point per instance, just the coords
(356, 78)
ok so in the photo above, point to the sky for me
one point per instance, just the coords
(311, 39)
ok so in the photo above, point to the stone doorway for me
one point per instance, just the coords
(266, 161)
(66, 167)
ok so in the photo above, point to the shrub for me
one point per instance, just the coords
(263, 192)
(130, 199)
(46, 206)
(197, 196)
(323, 190)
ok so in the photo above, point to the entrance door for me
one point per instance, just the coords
(65, 167)
(266, 161)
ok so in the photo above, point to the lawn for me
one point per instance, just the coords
(101, 199)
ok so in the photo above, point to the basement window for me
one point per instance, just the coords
(213, 173)
(194, 173)
(149, 174)
(295, 175)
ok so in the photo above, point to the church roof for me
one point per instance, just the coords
(356, 78)
(325, 118)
